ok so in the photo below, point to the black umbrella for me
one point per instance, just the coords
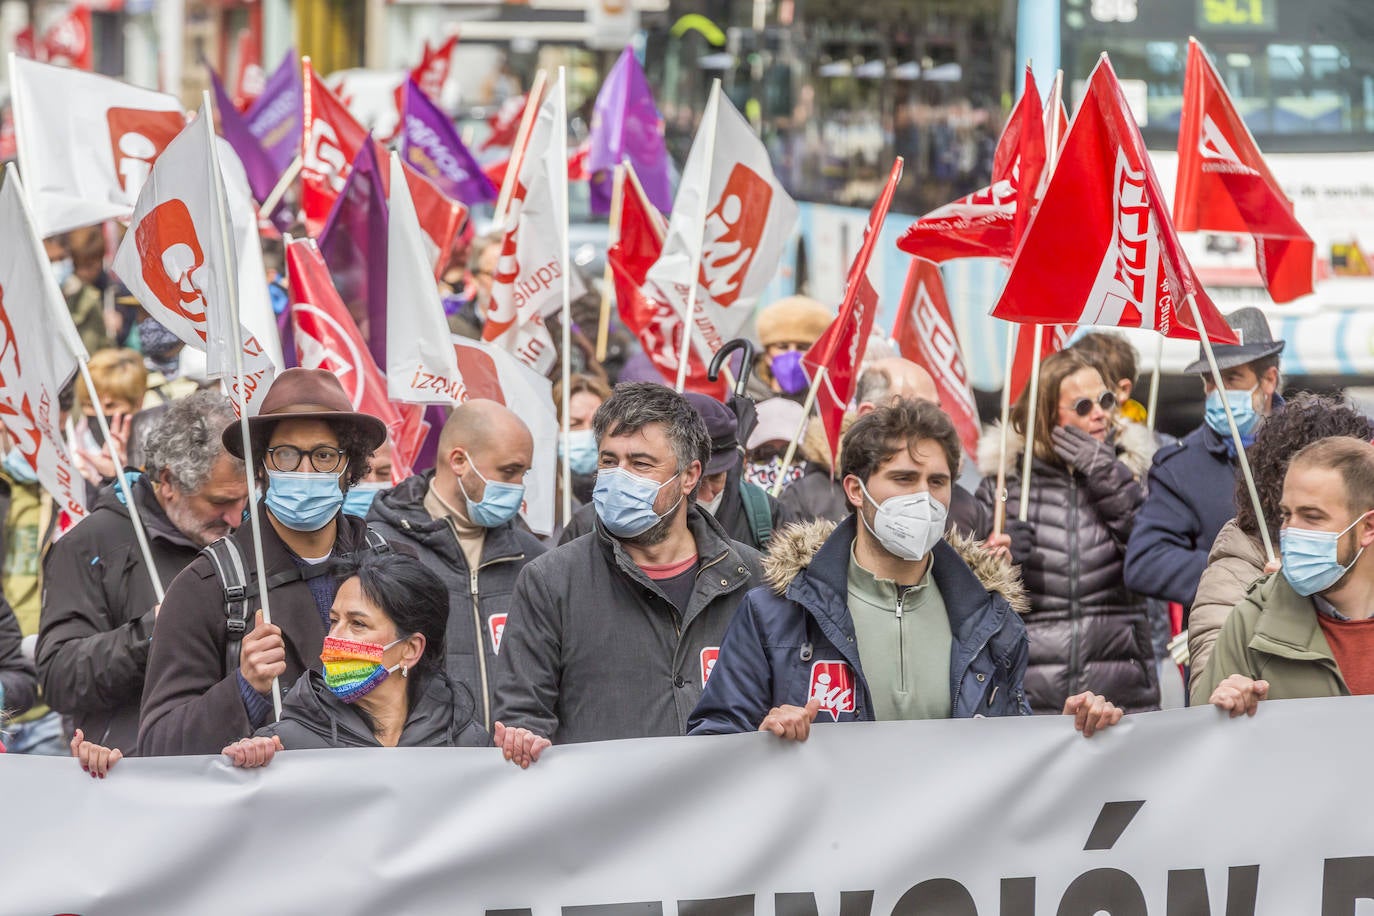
(739, 403)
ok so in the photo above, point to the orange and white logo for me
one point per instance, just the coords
(18, 415)
(709, 655)
(171, 253)
(324, 344)
(137, 138)
(325, 156)
(733, 230)
(496, 626)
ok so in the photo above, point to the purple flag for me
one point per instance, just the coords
(626, 125)
(275, 119)
(354, 246)
(431, 146)
(262, 174)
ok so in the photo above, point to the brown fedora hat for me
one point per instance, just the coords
(306, 394)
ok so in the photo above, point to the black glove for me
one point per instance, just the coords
(1081, 451)
(1022, 536)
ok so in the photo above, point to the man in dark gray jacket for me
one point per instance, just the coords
(614, 634)
(484, 452)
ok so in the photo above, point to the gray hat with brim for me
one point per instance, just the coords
(1256, 342)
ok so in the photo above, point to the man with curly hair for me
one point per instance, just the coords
(205, 688)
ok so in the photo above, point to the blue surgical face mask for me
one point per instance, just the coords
(581, 451)
(358, 499)
(1310, 563)
(303, 500)
(61, 270)
(787, 370)
(625, 502)
(17, 466)
(499, 502)
(1242, 408)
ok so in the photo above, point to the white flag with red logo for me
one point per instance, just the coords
(1224, 184)
(1100, 249)
(839, 352)
(68, 41)
(255, 303)
(492, 373)
(328, 338)
(529, 281)
(925, 334)
(420, 367)
(989, 222)
(748, 219)
(39, 349)
(86, 143)
(183, 271)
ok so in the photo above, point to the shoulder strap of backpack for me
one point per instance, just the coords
(376, 542)
(233, 580)
(758, 512)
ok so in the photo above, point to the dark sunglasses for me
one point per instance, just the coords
(1084, 406)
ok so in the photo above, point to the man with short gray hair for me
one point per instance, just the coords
(98, 601)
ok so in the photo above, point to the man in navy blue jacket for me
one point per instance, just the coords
(879, 618)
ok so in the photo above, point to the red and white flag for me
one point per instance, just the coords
(1053, 338)
(492, 373)
(249, 78)
(1224, 184)
(420, 368)
(86, 157)
(529, 281)
(68, 43)
(638, 245)
(1100, 249)
(183, 271)
(748, 219)
(328, 338)
(925, 334)
(988, 223)
(432, 71)
(39, 350)
(505, 123)
(839, 352)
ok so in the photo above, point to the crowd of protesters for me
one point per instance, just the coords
(703, 584)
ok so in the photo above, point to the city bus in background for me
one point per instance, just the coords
(1301, 73)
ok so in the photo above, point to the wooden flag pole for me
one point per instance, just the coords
(231, 280)
(708, 123)
(807, 406)
(1235, 431)
(560, 138)
(517, 150)
(280, 188)
(603, 328)
(1154, 386)
(999, 514)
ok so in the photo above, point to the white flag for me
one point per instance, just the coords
(255, 305)
(492, 373)
(39, 350)
(86, 142)
(732, 213)
(529, 280)
(176, 261)
(420, 365)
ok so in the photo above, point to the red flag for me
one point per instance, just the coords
(249, 78)
(840, 350)
(1054, 338)
(1225, 186)
(925, 334)
(988, 223)
(68, 42)
(1100, 249)
(656, 323)
(431, 72)
(505, 123)
(328, 338)
(25, 43)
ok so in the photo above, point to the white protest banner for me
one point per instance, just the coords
(420, 367)
(39, 349)
(1179, 813)
(86, 142)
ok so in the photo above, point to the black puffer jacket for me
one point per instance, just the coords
(1087, 631)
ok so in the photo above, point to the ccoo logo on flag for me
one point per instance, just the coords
(733, 230)
(832, 683)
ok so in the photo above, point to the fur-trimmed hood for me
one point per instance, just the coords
(1135, 448)
(793, 546)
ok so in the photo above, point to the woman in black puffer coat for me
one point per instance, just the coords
(1087, 631)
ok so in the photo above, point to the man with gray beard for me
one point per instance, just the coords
(99, 605)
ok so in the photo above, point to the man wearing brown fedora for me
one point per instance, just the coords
(209, 681)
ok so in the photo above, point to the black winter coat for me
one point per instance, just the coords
(478, 606)
(96, 626)
(18, 683)
(1087, 631)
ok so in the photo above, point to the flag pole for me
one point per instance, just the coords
(280, 188)
(561, 139)
(807, 405)
(1235, 431)
(232, 281)
(1154, 385)
(517, 151)
(999, 514)
(603, 329)
(709, 124)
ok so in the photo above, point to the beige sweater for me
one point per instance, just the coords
(1236, 560)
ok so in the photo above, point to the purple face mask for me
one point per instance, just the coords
(787, 369)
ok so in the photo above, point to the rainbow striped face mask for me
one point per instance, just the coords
(354, 669)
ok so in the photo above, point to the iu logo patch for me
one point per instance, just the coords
(708, 662)
(733, 230)
(832, 683)
(171, 254)
(496, 625)
(137, 137)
